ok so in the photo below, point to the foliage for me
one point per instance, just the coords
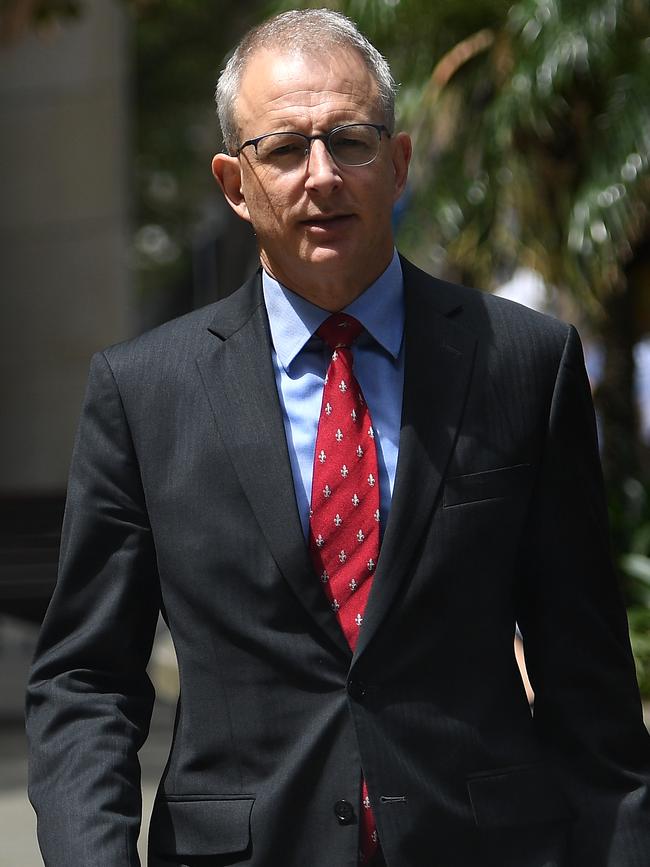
(639, 619)
(635, 566)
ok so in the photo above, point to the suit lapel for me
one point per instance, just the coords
(439, 359)
(237, 373)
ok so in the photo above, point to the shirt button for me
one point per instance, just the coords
(356, 689)
(344, 812)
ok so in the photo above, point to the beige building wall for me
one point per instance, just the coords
(64, 278)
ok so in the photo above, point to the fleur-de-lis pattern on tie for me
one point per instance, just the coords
(344, 517)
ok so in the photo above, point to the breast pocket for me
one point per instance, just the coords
(486, 485)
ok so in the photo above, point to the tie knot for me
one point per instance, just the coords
(340, 330)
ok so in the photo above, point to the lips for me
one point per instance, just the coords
(327, 222)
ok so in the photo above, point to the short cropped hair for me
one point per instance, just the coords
(300, 30)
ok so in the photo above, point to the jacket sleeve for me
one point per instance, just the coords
(587, 707)
(89, 699)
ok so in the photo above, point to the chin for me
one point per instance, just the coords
(333, 266)
(340, 254)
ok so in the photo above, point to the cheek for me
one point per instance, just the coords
(376, 188)
(380, 199)
(269, 204)
(269, 217)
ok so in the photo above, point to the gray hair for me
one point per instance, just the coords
(300, 30)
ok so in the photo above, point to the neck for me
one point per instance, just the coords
(330, 291)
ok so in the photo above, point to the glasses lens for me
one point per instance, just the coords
(283, 150)
(355, 145)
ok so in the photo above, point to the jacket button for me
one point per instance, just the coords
(344, 812)
(356, 689)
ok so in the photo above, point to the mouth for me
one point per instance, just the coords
(327, 222)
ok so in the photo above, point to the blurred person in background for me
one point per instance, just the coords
(342, 485)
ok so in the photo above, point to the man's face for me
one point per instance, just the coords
(322, 228)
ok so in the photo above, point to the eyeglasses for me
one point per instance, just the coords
(354, 144)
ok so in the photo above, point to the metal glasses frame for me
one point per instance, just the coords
(325, 137)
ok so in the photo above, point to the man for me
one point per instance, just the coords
(240, 467)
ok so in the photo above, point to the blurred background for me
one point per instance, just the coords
(531, 178)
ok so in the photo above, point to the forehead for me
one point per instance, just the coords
(294, 90)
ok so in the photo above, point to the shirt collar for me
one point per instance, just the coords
(293, 319)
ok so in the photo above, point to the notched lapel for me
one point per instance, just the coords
(439, 361)
(237, 373)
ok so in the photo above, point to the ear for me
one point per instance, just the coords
(401, 154)
(227, 171)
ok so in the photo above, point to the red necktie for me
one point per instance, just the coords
(344, 516)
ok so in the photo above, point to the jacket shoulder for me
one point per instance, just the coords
(494, 320)
(182, 338)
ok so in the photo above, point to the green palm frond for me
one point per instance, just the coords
(536, 148)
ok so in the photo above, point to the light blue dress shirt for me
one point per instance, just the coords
(300, 361)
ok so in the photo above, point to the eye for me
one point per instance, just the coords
(287, 150)
(350, 141)
(281, 147)
(355, 145)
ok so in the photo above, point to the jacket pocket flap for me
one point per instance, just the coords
(529, 795)
(200, 825)
(486, 485)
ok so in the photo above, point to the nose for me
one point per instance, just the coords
(322, 173)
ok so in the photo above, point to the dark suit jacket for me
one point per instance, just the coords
(181, 496)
